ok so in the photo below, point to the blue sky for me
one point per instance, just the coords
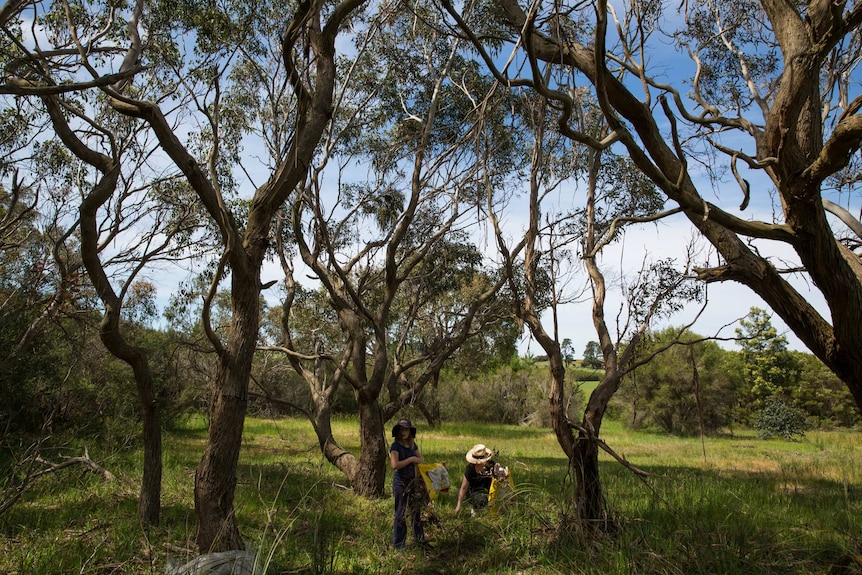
(727, 302)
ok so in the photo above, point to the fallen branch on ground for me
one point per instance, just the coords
(50, 467)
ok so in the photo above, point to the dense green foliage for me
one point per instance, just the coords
(694, 386)
(689, 388)
(769, 368)
(780, 419)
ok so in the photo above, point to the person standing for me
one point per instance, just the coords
(404, 456)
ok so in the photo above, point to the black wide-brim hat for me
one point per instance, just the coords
(405, 423)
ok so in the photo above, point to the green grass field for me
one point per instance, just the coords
(722, 505)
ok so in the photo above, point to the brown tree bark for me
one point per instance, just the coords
(791, 149)
(245, 249)
(216, 474)
(370, 478)
(149, 502)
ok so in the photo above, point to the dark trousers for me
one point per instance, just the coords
(478, 497)
(408, 503)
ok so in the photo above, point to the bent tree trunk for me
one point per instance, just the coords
(342, 459)
(149, 503)
(366, 474)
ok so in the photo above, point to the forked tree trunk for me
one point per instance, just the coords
(367, 473)
(582, 452)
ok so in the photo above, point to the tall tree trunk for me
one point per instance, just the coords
(582, 452)
(149, 503)
(216, 475)
(589, 494)
(589, 497)
(215, 478)
(371, 476)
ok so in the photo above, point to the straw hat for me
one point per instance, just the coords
(479, 453)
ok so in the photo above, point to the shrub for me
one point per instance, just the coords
(780, 419)
(512, 396)
(684, 390)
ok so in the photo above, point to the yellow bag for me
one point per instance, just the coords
(436, 478)
(501, 490)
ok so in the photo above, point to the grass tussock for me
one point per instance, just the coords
(723, 505)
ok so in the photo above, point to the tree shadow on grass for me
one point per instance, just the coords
(736, 520)
(464, 546)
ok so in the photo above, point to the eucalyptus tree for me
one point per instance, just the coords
(40, 274)
(616, 196)
(100, 198)
(769, 108)
(118, 230)
(173, 66)
(382, 225)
